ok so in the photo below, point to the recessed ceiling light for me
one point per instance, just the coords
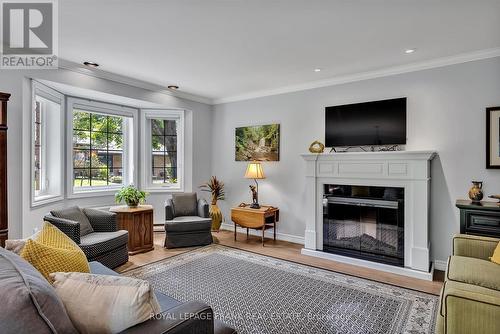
(317, 70)
(408, 51)
(90, 64)
(174, 87)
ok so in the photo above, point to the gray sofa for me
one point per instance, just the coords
(95, 231)
(187, 221)
(30, 305)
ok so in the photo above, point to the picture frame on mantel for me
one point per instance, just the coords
(493, 138)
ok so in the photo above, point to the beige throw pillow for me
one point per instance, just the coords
(105, 304)
(17, 245)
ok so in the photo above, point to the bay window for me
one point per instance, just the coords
(46, 145)
(102, 146)
(162, 144)
(99, 143)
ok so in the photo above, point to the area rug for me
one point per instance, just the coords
(260, 294)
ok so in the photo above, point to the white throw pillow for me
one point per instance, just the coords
(105, 304)
(17, 245)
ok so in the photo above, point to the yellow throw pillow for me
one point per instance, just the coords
(496, 255)
(52, 251)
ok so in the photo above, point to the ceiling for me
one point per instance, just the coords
(222, 49)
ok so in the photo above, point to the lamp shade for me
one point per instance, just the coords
(254, 171)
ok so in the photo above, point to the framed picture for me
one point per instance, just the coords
(257, 143)
(493, 137)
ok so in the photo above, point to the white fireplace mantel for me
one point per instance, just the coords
(406, 169)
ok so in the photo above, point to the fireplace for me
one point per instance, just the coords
(370, 209)
(365, 222)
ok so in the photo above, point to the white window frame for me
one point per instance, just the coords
(146, 149)
(129, 145)
(45, 92)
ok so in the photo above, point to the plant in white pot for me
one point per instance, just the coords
(131, 196)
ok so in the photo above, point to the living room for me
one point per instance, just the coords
(250, 167)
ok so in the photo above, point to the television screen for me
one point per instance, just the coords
(368, 123)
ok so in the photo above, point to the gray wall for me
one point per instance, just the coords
(446, 113)
(22, 218)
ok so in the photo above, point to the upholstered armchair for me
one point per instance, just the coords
(187, 221)
(470, 297)
(95, 231)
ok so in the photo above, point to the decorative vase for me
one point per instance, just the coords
(215, 214)
(476, 191)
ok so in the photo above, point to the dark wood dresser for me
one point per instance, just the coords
(479, 218)
(3, 168)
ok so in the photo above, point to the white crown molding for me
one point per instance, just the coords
(97, 73)
(413, 67)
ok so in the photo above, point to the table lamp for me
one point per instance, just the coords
(255, 172)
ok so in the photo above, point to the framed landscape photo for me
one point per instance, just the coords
(257, 143)
(493, 137)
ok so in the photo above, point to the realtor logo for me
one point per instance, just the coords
(29, 34)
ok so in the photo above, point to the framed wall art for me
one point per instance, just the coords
(493, 137)
(257, 143)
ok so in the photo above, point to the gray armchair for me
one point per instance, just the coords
(187, 221)
(95, 231)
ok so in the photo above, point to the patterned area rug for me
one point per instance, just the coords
(260, 294)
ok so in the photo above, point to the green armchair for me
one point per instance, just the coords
(470, 298)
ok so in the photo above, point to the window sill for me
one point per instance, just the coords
(163, 189)
(45, 199)
(94, 192)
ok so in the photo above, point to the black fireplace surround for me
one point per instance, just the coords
(364, 222)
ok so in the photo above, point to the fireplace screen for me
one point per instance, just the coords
(364, 222)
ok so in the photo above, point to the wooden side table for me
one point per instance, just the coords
(139, 224)
(479, 218)
(260, 219)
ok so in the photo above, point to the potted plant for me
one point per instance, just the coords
(131, 196)
(216, 188)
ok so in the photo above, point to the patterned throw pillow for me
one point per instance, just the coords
(52, 251)
(75, 214)
(496, 255)
(17, 245)
(112, 303)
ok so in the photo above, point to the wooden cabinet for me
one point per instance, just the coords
(479, 218)
(139, 224)
(3, 168)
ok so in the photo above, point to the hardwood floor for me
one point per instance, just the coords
(286, 251)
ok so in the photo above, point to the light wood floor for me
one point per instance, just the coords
(286, 251)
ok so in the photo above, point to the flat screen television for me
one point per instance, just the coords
(366, 124)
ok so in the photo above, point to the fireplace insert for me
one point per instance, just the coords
(364, 222)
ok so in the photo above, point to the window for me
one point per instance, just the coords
(47, 145)
(102, 148)
(163, 149)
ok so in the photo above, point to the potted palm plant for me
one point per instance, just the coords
(131, 196)
(216, 188)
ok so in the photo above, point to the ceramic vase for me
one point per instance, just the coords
(476, 191)
(216, 215)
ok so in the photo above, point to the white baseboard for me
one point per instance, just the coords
(267, 234)
(440, 265)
